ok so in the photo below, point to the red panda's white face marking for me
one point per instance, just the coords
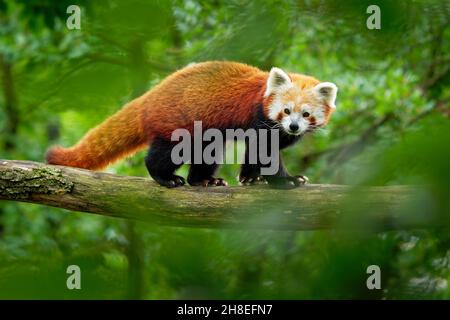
(296, 109)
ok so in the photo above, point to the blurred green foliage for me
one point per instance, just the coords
(391, 127)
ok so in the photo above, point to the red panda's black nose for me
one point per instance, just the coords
(293, 126)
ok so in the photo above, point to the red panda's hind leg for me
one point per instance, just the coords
(160, 166)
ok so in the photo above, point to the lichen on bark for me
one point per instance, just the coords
(22, 182)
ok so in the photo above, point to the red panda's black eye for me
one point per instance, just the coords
(287, 111)
(306, 114)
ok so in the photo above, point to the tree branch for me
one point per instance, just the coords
(307, 208)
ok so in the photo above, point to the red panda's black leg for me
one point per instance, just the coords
(203, 175)
(251, 173)
(160, 166)
(282, 179)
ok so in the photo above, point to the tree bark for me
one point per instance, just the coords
(310, 207)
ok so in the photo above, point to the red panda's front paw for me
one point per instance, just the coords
(252, 180)
(299, 180)
(287, 182)
(172, 182)
(209, 182)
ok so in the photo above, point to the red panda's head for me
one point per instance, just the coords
(298, 103)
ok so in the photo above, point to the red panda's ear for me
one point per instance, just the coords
(327, 91)
(277, 80)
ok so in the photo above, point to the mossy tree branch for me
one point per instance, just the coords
(307, 208)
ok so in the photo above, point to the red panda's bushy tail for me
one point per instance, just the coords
(118, 136)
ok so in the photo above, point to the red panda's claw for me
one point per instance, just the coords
(175, 181)
(252, 180)
(300, 180)
(214, 182)
(179, 181)
(218, 182)
(288, 182)
(211, 182)
(221, 182)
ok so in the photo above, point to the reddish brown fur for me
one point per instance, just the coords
(220, 94)
(115, 138)
(328, 111)
(280, 116)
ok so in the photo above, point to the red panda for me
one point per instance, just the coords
(220, 94)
